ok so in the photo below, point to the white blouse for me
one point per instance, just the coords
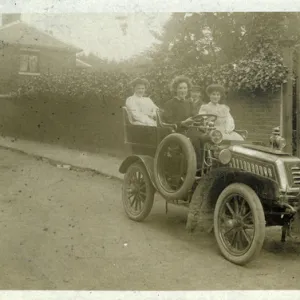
(142, 110)
(224, 122)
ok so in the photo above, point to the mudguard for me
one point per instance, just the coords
(218, 179)
(210, 186)
(146, 160)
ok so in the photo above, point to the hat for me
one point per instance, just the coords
(196, 88)
(137, 81)
(215, 88)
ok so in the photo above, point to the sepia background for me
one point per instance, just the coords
(63, 81)
(85, 61)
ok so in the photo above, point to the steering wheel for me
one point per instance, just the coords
(201, 120)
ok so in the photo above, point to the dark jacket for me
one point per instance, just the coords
(175, 111)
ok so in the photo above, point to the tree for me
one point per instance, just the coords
(240, 50)
(218, 38)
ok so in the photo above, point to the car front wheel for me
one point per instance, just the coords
(239, 223)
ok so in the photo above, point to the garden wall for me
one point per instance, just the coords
(257, 115)
(94, 123)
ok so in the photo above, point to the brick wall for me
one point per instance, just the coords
(9, 63)
(94, 124)
(91, 125)
(257, 115)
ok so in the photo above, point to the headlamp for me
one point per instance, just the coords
(216, 136)
(276, 140)
(225, 156)
(281, 142)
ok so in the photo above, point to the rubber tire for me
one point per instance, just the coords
(150, 191)
(259, 219)
(189, 151)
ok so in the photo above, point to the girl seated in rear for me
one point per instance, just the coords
(142, 109)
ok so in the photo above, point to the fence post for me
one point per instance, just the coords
(297, 113)
(287, 97)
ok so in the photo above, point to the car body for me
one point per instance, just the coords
(247, 186)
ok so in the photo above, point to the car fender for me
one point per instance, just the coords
(146, 160)
(218, 179)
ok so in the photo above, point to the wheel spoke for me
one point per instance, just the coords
(230, 209)
(228, 231)
(133, 201)
(242, 206)
(143, 195)
(141, 199)
(143, 186)
(130, 195)
(236, 205)
(246, 236)
(136, 203)
(139, 204)
(233, 239)
(237, 240)
(246, 216)
(139, 177)
(248, 226)
(240, 240)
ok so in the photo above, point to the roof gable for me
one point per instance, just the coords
(20, 33)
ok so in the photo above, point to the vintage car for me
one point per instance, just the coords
(246, 185)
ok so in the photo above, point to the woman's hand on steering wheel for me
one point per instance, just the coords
(199, 119)
(187, 122)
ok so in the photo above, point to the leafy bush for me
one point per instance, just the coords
(262, 72)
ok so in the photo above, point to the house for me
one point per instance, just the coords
(27, 51)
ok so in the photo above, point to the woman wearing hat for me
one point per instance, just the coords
(179, 109)
(142, 109)
(224, 122)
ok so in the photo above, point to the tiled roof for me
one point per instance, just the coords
(20, 33)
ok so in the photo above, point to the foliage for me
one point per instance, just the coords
(240, 50)
(77, 84)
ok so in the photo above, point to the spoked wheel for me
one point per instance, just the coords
(239, 223)
(175, 166)
(138, 192)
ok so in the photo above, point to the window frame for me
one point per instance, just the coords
(29, 52)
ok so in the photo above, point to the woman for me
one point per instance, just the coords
(142, 109)
(224, 122)
(179, 109)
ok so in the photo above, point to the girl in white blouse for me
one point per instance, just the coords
(142, 109)
(224, 122)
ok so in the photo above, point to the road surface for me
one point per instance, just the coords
(63, 229)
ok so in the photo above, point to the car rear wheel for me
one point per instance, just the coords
(138, 192)
(239, 223)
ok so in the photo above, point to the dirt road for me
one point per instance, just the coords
(63, 229)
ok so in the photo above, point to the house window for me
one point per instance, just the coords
(29, 63)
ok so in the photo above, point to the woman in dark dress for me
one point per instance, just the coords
(179, 109)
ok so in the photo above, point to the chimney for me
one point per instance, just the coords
(10, 18)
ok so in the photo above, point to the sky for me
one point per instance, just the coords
(101, 33)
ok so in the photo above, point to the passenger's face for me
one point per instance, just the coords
(215, 97)
(140, 90)
(182, 90)
(196, 95)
